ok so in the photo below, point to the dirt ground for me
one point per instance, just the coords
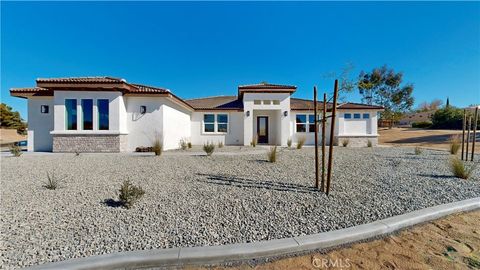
(8, 136)
(428, 138)
(449, 243)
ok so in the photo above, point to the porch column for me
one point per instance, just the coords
(247, 126)
(284, 127)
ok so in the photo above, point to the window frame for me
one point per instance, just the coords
(349, 116)
(216, 123)
(357, 114)
(307, 123)
(99, 115)
(366, 114)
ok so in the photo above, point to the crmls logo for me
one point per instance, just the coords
(329, 263)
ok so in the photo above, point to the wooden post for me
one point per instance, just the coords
(332, 132)
(324, 142)
(463, 132)
(469, 124)
(475, 118)
(316, 135)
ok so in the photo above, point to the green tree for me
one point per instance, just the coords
(448, 118)
(383, 86)
(11, 119)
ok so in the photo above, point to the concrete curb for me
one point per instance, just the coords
(175, 257)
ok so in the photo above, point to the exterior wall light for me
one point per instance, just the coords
(143, 109)
(285, 113)
(248, 113)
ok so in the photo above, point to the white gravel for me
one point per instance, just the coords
(197, 200)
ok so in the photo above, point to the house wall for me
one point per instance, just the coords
(274, 125)
(358, 132)
(235, 129)
(40, 124)
(176, 125)
(309, 136)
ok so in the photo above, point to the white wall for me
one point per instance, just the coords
(40, 124)
(309, 136)
(176, 125)
(357, 127)
(235, 129)
(274, 125)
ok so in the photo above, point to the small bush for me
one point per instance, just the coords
(301, 141)
(52, 181)
(15, 150)
(144, 149)
(369, 143)
(77, 153)
(418, 150)
(129, 194)
(454, 144)
(460, 169)
(183, 144)
(157, 145)
(209, 148)
(424, 124)
(272, 154)
(220, 144)
(254, 141)
(189, 145)
(289, 142)
(345, 142)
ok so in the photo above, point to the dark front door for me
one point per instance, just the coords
(262, 129)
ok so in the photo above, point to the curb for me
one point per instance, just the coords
(176, 257)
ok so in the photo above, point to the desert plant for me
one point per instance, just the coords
(301, 141)
(183, 144)
(52, 181)
(417, 150)
(254, 141)
(157, 146)
(272, 154)
(460, 169)
(289, 142)
(77, 153)
(454, 144)
(209, 147)
(15, 150)
(424, 124)
(189, 145)
(369, 143)
(345, 142)
(220, 145)
(129, 194)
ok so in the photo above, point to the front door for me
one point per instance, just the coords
(262, 129)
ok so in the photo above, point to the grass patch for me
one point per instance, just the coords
(183, 144)
(157, 146)
(454, 144)
(345, 142)
(129, 194)
(289, 142)
(460, 169)
(189, 145)
(254, 141)
(220, 144)
(369, 143)
(418, 150)
(52, 181)
(209, 147)
(301, 141)
(15, 150)
(272, 154)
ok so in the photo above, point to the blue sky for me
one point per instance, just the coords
(209, 48)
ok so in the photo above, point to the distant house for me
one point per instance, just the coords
(104, 114)
(416, 117)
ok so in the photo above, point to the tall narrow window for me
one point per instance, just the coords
(71, 114)
(208, 123)
(222, 123)
(102, 105)
(311, 123)
(301, 123)
(87, 114)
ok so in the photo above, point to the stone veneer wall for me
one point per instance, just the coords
(356, 141)
(103, 143)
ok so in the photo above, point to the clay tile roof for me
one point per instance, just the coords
(266, 86)
(305, 104)
(30, 91)
(216, 103)
(101, 79)
(140, 88)
(359, 106)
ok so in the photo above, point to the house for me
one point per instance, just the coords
(416, 117)
(105, 114)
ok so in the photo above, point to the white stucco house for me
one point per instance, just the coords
(104, 114)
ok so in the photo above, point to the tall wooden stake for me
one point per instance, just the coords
(332, 131)
(316, 135)
(474, 132)
(463, 132)
(324, 142)
(469, 124)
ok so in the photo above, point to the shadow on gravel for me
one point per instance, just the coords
(437, 175)
(249, 183)
(112, 203)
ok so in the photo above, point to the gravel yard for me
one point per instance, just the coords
(197, 200)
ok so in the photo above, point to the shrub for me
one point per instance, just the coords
(157, 145)
(16, 150)
(301, 141)
(448, 118)
(209, 148)
(345, 142)
(289, 142)
(272, 154)
(129, 194)
(183, 144)
(454, 144)
(77, 153)
(189, 145)
(254, 141)
(220, 144)
(418, 150)
(52, 181)
(369, 143)
(460, 169)
(424, 124)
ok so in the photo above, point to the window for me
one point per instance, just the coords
(102, 106)
(301, 122)
(209, 123)
(356, 116)
(267, 102)
(311, 123)
(87, 114)
(222, 123)
(366, 116)
(347, 116)
(71, 114)
(276, 102)
(257, 102)
(44, 108)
